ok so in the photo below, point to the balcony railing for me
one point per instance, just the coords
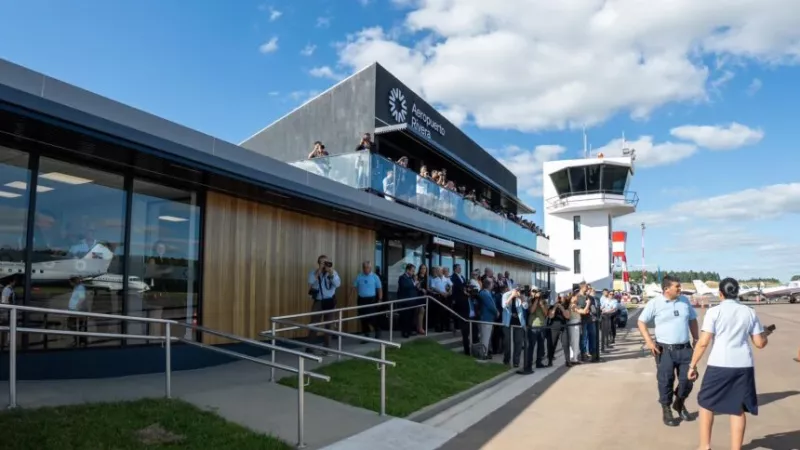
(626, 197)
(363, 170)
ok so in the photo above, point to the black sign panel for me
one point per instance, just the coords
(395, 104)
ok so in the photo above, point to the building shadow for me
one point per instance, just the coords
(779, 441)
(770, 397)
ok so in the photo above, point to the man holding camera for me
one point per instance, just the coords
(515, 308)
(322, 284)
(537, 323)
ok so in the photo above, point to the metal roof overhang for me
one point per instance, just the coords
(33, 94)
(438, 148)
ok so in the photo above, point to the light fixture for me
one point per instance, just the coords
(23, 186)
(64, 178)
(172, 219)
(5, 194)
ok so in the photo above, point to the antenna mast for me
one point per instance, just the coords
(585, 144)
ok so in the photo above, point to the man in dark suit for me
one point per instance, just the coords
(407, 288)
(461, 305)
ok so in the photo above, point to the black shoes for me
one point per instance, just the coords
(680, 408)
(667, 416)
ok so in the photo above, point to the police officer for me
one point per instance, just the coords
(675, 319)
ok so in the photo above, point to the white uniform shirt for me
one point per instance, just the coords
(732, 324)
(437, 284)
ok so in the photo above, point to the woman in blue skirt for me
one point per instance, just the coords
(729, 385)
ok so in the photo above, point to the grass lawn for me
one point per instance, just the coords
(426, 373)
(145, 424)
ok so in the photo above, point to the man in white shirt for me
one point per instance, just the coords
(438, 285)
(322, 284)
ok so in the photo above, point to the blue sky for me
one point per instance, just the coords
(707, 103)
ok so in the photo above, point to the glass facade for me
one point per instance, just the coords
(83, 237)
(601, 178)
(372, 172)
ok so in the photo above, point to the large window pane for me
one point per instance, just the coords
(614, 179)
(561, 182)
(78, 246)
(577, 178)
(14, 179)
(593, 178)
(395, 266)
(163, 283)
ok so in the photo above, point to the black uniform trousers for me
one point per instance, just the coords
(673, 359)
(462, 308)
(368, 323)
(557, 333)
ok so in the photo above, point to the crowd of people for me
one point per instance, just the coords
(437, 179)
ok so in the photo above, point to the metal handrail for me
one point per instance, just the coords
(12, 329)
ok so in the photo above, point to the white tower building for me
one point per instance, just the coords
(581, 199)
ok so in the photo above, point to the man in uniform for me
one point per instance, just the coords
(675, 319)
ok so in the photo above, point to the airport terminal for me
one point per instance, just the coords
(152, 219)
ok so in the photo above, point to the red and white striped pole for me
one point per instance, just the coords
(618, 239)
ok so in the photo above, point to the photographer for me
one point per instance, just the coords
(537, 323)
(515, 307)
(322, 285)
(559, 313)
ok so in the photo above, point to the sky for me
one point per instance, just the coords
(704, 91)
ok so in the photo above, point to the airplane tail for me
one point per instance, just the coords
(96, 260)
(702, 288)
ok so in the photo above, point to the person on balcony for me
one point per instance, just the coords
(366, 143)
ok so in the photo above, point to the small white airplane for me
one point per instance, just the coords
(703, 289)
(791, 290)
(92, 268)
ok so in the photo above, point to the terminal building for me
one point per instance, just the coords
(158, 220)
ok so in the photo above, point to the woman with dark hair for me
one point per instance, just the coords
(729, 385)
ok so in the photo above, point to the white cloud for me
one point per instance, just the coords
(754, 87)
(719, 137)
(649, 154)
(308, 50)
(527, 165)
(768, 202)
(274, 15)
(325, 72)
(535, 64)
(269, 46)
(323, 22)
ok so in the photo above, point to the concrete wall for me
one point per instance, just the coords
(594, 244)
(340, 116)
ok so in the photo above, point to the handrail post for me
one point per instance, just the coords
(383, 380)
(12, 358)
(391, 322)
(427, 312)
(511, 341)
(168, 362)
(301, 388)
(272, 358)
(339, 337)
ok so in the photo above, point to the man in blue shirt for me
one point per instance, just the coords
(674, 319)
(369, 290)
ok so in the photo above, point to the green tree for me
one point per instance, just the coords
(796, 278)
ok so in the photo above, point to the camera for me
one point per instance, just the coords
(473, 290)
(546, 293)
(328, 264)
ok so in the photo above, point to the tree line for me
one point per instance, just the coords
(687, 276)
(796, 278)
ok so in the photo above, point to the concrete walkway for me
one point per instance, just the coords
(239, 391)
(613, 405)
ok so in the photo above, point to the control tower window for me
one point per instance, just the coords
(614, 179)
(593, 178)
(561, 182)
(577, 179)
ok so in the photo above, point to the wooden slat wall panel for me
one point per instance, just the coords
(257, 259)
(521, 273)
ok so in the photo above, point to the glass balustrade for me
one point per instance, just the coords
(363, 170)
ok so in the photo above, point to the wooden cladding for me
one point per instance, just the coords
(257, 259)
(521, 272)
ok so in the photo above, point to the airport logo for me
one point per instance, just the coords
(397, 105)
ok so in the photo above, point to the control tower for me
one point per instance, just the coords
(581, 199)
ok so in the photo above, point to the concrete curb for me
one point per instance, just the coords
(433, 410)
